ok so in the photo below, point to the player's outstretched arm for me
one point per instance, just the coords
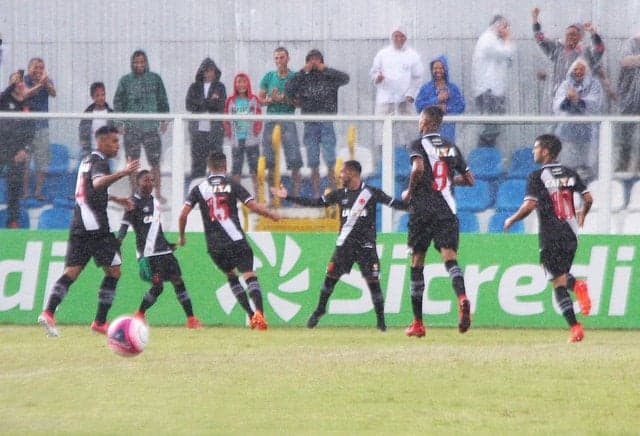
(262, 210)
(182, 224)
(465, 179)
(303, 201)
(587, 201)
(526, 208)
(106, 181)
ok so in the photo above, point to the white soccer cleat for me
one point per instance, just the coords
(49, 324)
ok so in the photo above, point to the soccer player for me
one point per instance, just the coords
(154, 252)
(550, 190)
(357, 238)
(89, 235)
(226, 243)
(437, 165)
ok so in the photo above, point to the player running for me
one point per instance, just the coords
(154, 252)
(226, 243)
(432, 213)
(550, 190)
(89, 234)
(357, 238)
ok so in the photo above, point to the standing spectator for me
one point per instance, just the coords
(244, 134)
(142, 91)
(579, 94)
(206, 95)
(396, 72)
(492, 58)
(88, 128)
(563, 54)
(551, 190)
(315, 90)
(39, 89)
(15, 137)
(272, 95)
(629, 92)
(436, 165)
(442, 93)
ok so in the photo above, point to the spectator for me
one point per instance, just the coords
(206, 95)
(492, 58)
(563, 54)
(142, 91)
(629, 92)
(273, 96)
(396, 72)
(442, 93)
(39, 89)
(15, 137)
(579, 94)
(244, 134)
(315, 89)
(88, 128)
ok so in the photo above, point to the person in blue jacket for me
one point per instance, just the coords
(442, 93)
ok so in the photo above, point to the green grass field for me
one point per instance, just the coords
(329, 380)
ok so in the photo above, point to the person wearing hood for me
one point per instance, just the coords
(579, 94)
(442, 93)
(492, 59)
(206, 95)
(244, 134)
(564, 53)
(629, 104)
(142, 91)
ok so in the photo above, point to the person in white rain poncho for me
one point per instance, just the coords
(579, 94)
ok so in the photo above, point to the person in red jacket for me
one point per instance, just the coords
(244, 134)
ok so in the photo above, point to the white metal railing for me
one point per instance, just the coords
(605, 168)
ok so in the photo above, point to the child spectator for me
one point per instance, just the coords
(88, 127)
(244, 134)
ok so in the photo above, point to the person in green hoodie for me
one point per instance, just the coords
(142, 91)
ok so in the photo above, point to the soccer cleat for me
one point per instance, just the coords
(416, 329)
(582, 294)
(381, 325)
(193, 323)
(314, 319)
(47, 321)
(140, 315)
(464, 315)
(577, 333)
(100, 328)
(258, 321)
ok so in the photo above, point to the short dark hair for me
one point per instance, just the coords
(550, 142)
(314, 53)
(496, 18)
(217, 160)
(106, 130)
(94, 87)
(141, 174)
(281, 48)
(435, 113)
(353, 165)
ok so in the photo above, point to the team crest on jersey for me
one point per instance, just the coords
(145, 209)
(362, 201)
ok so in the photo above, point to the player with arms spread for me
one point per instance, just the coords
(436, 165)
(550, 190)
(155, 253)
(217, 198)
(89, 235)
(357, 238)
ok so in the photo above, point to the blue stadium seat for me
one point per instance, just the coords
(510, 194)
(401, 162)
(474, 198)
(3, 190)
(496, 223)
(485, 163)
(59, 162)
(59, 185)
(468, 222)
(55, 218)
(522, 163)
(23, 219)
(403, 224)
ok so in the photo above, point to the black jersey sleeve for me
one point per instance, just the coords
(100, 168)
(383, 198)
(309, 202)
(415, 150)
(460, 162)
(193, 197)
(579, 185)
(241, 193)
(532, 189)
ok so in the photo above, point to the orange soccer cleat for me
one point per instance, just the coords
(464, 315)
(140, 315)
(582, 294)
(193, 323)
(416, 329)
(100, 328)
(577, 333)
(258, 321)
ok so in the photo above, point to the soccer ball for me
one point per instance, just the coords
(127, 335)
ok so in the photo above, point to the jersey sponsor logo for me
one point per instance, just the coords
(219, 189)
(347, 212)
(445, 151)
(560, 182)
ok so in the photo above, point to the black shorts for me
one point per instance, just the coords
(237, 255)
(103, 247)
(444, 233)
(557, 256)
(345, 256)
(135, 139)
(164, 267)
